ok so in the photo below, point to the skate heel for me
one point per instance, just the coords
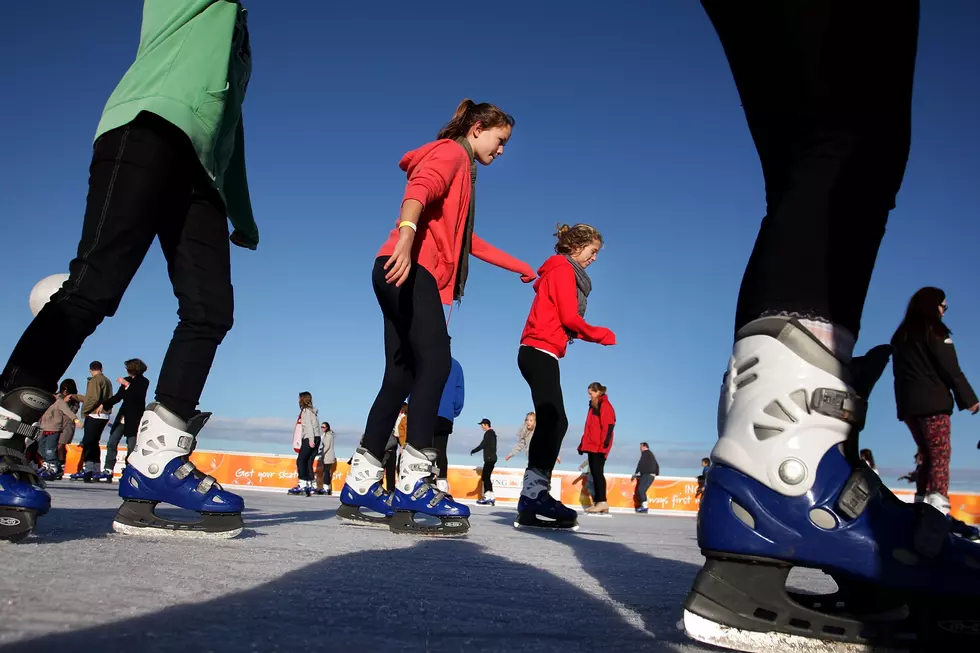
(159, 471)
(363, 502)
(420, 508)
(23, 498)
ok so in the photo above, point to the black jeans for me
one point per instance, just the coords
(90, 440)
(485, 476)
(827, 91)
(543, 376)
(597, 464)
(643, 484)
(416, 358)
(118, 432)
(390, 462)
(145, 182)
(304, 460)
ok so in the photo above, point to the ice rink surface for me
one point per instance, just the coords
(298, 579)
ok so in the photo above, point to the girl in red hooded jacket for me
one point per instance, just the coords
(597, 441)
(556, 318)
(421, 267)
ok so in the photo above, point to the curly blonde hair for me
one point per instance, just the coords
(575, 238)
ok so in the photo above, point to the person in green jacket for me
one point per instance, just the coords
(168, 163)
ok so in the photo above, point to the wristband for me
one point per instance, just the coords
(408, 223)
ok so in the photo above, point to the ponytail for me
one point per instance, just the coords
(469, 113)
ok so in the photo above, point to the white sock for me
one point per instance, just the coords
(835, 338)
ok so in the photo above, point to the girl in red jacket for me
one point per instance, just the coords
(421, 267)
(597, 441)
(556, 318)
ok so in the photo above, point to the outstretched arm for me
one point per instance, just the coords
(487, 252)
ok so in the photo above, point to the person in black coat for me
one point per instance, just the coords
(132, 394)
(927, 380)
(647, 470)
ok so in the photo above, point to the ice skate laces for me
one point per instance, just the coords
(205, 482)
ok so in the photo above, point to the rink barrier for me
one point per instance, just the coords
(668, 494)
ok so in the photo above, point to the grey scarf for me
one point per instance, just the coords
(463, 268)
(582, 283)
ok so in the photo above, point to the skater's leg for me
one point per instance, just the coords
(195, 245)
(826, 89)
(429, 341)
(112, 446)
(487, 477)
(318, 477)
(91, 453)
(915, 426)
(130, 446)
(833, 138)
(937, 435)
(542, 374)
(440, 442)
(399, 372)
(133, 184)
(597, 463)
(199, 264)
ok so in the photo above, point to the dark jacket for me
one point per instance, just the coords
(647, 465)
(488, 446)
(133, 400)
(926, 371)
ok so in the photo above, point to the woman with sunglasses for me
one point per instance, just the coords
(927, 380)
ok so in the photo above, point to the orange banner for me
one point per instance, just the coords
(278, 472)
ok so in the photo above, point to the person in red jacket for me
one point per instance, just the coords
(556, 318)
(596, 442)
(421, 267)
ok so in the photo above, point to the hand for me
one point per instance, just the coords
(608, 339)
(974, 408)
(507, 457)
(528, 275)
(559, 460)
(579, 451)
(239, 239)
(400, 262)
(78, 422)
(99, 409)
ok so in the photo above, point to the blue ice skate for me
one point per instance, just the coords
(159, 471)
(83, 475)
(488, 499)
(294, 491)
(420, 507)
(363, 501)
(786, 489)
(22, 495)
(538, 509)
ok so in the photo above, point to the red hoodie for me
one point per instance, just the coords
(555, 309)
(439, 178)
(599, 425)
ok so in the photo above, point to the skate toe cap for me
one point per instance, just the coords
(20, 494)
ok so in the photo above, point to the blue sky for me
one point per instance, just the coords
(627, 118)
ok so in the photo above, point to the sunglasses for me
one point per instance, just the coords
(944, 306)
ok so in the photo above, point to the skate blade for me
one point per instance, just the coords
(598, 514)
(352, 516)
(149, 531)
(534, 522)
(710, 632)
(139, 518)
(403, 523)
(16, 525)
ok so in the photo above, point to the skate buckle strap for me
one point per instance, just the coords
(188, 469)
(857, 493)
(845, 406)
(17, 427)
(13, 461)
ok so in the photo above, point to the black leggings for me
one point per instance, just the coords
(304, 461)
(827, 91)
(145, 183)
(597, 465)
(440, 442)
(544, 378)
(416, 358)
